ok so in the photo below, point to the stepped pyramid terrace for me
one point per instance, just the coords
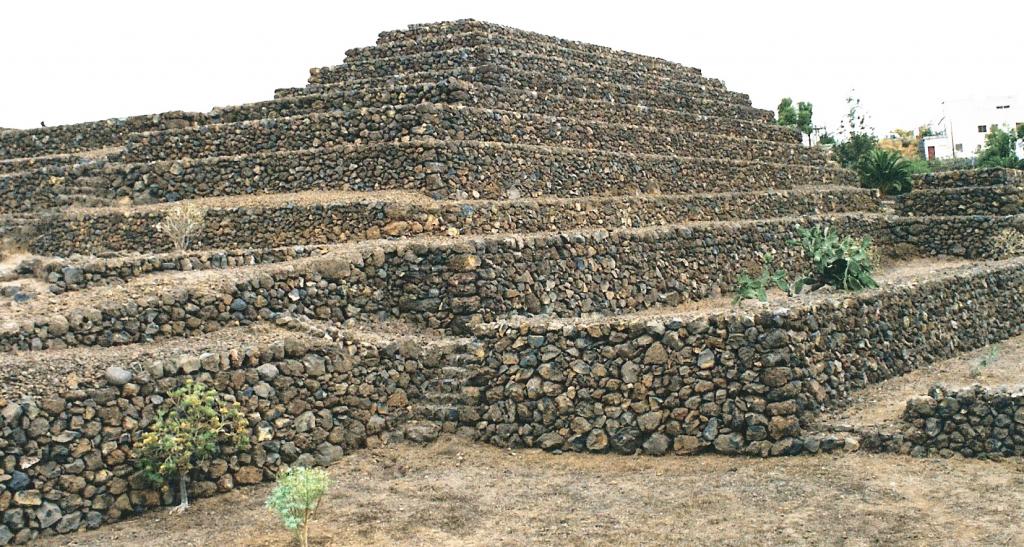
(475, 230)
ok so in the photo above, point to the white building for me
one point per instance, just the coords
(964, 124)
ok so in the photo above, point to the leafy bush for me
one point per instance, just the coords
(850, 152)
(841, 263)
(886, 170)
(999, 150)
(757, 287)
(297, 497)
(182, 225)
(198, 426)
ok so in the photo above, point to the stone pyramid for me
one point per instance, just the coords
(466, 228)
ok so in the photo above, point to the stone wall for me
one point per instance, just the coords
(327, 221)
(63, 139)
(445, 122)
(970, 177)
(80, 273)
(459, 170)
(589, 55)
(661, 96)
(47, 187)
(454, 284)
(518, 59)
(454, 90)
(964, 200)
(425, 37)
(974, 421)
(24, 164)
(67, 453)
(733, 382)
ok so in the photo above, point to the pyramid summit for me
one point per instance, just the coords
(464, 229)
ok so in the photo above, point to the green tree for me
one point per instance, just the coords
(804, 115)
(850, 152)
(199, 425)
(886, 170)
(787, 114)
(999, 150)
(297, 497)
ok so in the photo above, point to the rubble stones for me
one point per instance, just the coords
(973, 421)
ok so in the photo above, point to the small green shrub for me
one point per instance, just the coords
(757, 287)
(198, 426)
(297, 497)
(990, 357)
(886, 170)
(841, 263)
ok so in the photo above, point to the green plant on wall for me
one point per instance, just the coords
(296, 498)
(198, 426)
(844, 263)
(757, 287)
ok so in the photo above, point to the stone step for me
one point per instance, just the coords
(1002, 199)
(81, 137)
(446, 122)
(608, 58)
(661, 96)
(996, 176)
(38, 189)
(745, 121)
(319, 218)
(24, 164)
(457, 169)
(87, 271)
(514, 58)
(426, 37)
(38, 371)
(453, 285)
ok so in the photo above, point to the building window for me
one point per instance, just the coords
(959, 147)
(982, 129)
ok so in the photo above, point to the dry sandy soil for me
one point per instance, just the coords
(454, 492)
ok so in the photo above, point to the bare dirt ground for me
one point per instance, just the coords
(884, 402)
(458, 493)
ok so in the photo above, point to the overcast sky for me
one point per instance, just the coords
(72, 61)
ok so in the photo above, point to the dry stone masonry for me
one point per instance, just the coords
(476, 230)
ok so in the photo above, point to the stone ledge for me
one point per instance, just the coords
(448, 122)
(455, 91)
(452, 285)
(515, 57)
(1003, 199)
(969, 177)
(596, 55)
(457, 169)
(294, 219)
(500, 75)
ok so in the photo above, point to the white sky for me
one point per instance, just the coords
(71, 61)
